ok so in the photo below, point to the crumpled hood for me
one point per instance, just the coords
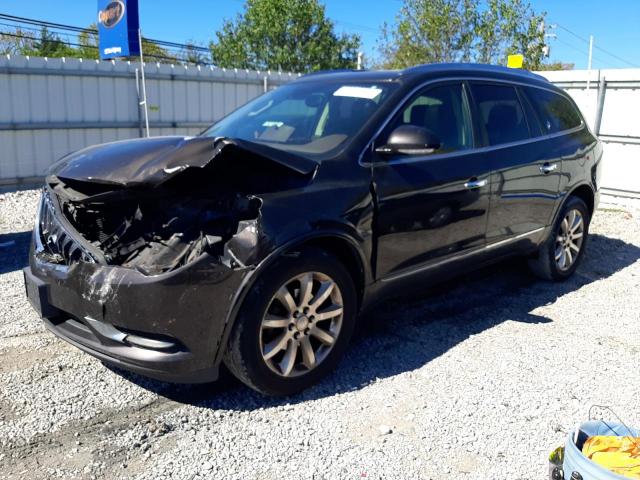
(152, 161)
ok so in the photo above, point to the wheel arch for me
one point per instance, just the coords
(345, 248)
(586, 194)
(346, 252)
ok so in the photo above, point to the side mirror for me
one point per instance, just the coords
(410, 140)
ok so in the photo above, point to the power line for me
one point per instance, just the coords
(32, 21)
(22, 28)
(357, 26)
(598, 47)
(93, 47)
(65, 27)
(20, 24)
(615, 56)
(71, 44)
(584, 52)
(572, 33)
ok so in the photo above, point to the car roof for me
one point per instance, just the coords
(432, 70)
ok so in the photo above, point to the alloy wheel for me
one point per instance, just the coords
(301, 324)
(569, 239)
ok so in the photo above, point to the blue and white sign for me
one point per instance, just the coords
(118, 24)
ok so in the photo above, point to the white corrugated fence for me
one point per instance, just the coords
(50, 107)
(610, 102)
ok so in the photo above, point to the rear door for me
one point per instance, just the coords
(430, 206)
(525, 175)
(565, 139)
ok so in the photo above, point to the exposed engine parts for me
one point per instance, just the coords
(166, 222)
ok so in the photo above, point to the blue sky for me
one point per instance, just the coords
(615, 24)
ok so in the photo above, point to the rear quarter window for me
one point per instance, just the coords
(555, 112)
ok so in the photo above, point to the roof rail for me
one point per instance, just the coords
(327, 72)
(480, 67)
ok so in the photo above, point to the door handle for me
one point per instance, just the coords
(548, 168)
(475, 183)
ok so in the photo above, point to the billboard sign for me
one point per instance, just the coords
(118, 24)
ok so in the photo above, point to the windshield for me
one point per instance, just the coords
(312, 118)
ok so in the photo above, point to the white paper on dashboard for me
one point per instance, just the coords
(357, 92)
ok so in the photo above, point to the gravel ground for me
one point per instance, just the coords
(480, 378)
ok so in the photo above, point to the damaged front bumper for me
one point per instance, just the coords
(145, 273)
(167, 327)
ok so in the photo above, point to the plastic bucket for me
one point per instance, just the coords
(578, 467)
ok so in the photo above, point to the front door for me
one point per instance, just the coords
(430, 206)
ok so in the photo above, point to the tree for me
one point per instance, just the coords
(16, 42)
(193, 53)
(42, 44)
(48, 44)
(155, 52)
(291, 35)
(431, 31)
(89, 46)
(556, 66)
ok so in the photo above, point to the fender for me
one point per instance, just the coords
(569, 193)
(251, 278)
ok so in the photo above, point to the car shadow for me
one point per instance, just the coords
(408, 332)
(14, 251)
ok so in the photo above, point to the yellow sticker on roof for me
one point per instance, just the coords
(357, 92)
(515, 61)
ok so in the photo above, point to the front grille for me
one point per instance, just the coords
(56, 245)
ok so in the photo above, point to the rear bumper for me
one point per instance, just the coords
(168, 327)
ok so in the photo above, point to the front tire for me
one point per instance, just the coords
(559, 256)
(294, 325)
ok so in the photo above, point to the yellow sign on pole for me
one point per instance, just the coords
(515, 61)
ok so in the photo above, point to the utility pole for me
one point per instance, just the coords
(360, 55)
(548, 34)
(590, 62)
(144, 85)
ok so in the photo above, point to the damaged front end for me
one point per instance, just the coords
(138, 261)
(177, 210)
(153, 232)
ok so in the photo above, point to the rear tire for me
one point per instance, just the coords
(294, 325)
(559, 256)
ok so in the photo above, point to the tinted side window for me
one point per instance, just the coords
(532, 117)
(443, 111)
(500, 113)
(555, 112)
